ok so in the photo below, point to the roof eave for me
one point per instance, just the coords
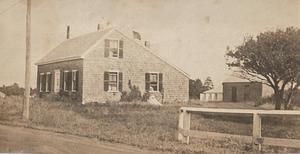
(58, 60)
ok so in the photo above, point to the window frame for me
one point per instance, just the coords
(110, 48)
(116, 73)
(65, 80)
(41, 82)
(157, 81)
(48, 77)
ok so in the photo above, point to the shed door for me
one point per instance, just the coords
(233, 95)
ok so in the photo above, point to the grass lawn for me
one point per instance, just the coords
(148, 127)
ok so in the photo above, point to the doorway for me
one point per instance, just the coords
(234, 94)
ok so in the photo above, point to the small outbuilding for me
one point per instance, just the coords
(240, 90)
(2, 95)
(214, 95)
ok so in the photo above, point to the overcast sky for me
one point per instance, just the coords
(192, 34)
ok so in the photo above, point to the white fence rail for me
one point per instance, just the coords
(256, 139)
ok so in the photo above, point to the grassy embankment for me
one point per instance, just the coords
(148, 127)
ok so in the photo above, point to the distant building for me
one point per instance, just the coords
(2, 95)
(97, 67)
(213, 95)
(242, 91)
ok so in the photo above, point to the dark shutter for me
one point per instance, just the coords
(147, 80)
(49, 82)
(160, 82)
(106, 81)
(69, 85)
(44, 83)
(106, 48)
(62, 80)
(121, 42)
(77, 81)
(120, 81)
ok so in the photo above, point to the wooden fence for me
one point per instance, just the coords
(256, 139)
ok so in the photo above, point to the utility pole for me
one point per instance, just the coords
(28, 63)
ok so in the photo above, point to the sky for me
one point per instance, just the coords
(190, 34)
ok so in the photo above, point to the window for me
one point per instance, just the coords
(154, 82)
(71, 80)
(67, 81)
(113, 81)
(48, 82)
(113, 48)
(42, 81)
(74, 80)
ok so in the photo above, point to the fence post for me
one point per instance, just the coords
(256, 131)
(180, 125)
(184, 124)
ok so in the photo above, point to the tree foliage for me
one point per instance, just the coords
(196, 87)
(14, 89)
(208, 83)
(272, 57)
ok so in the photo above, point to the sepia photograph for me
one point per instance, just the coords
(149, 76)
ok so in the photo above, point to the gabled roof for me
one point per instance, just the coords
(78, 47)
(73, 48)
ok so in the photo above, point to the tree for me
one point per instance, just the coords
(195, 88)
(272, 57)
(208, 84)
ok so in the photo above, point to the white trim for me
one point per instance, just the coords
(158, 81)
(118, 80)
(41, 81)
(118, 49)
(64, 80)
(47, 82)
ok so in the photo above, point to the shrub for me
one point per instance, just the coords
(133, 95)
(12, 90)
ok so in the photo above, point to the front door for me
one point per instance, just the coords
(234, 95)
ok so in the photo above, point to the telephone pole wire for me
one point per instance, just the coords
(28, 62)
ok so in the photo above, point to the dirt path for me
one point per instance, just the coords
(17, 139)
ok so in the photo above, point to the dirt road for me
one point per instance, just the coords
(17, 139)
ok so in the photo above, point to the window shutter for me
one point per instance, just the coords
(69, 84)
(160, 82)
(106, 80)
(106, 48)
(49, 82)
(44, 83)
(63, 80)
(120, 81)
(121, 44)
(77, 81)
(147, 80)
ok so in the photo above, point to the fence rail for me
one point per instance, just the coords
(256, 139)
